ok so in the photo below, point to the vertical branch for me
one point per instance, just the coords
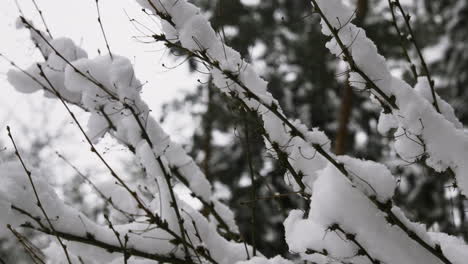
(180, 220)
(155, 219)
(406, 18)
(402, 41)
(42, 18)
(39, 204)
(462, 212)
(102, 28)
(107, 200)
(362, 8)
(117, 235)
(362, 251)
(20, 11)
(33, 252)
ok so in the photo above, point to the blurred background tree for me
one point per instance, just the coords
(283, 40)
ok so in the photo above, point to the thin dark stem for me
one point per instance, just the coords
(38, 200)
(210, 206)
(33, 252)
(391, 217)
(20, 11)
(349, 58)
(99, 85)
(362, 250)
(406, 18)
(385, 207)
(117, 235)
(154, 218)
(163, 15)
(112, 248)
(42, 18)
(102, 29)
(86, 179)
(175, 206)
(402, 41)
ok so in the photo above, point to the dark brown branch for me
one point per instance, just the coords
(406, 18)
(33, 252)
(119, 239)
(102, 29)
(42, 18)
(153, 217)
(349, 58)
(113, 248)
(352, 237)
(385, 207)
(402, 41)
(38, 200)
(391, 217)
(106, 199)
(175, 206)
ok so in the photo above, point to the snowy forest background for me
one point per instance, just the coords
(284, 42)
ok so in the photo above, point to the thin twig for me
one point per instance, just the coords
(352, 238)
(175, 206)
(33, 252)
(406, 18)
(42, 18)
(117, 235)
(102, 29)
(91, 240)
(383, 206)
(154, 218)
(86, 179)
(39, 204)
(402, 41)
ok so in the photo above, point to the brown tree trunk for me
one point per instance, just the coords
(208, 129)
(362, 7)
(343, 119)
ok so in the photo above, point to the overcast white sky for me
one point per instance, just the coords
(77, 19)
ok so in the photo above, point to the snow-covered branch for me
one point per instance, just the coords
(436, 138)
(350, 216)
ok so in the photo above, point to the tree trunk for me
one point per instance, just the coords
(362, 7)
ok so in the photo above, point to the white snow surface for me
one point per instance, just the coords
(439, 136)
(345, 217)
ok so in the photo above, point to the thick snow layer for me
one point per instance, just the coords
(107, 87)
(17, 191)
(232, 75)
(335, 202)
(53, 69)
(346, 222)
(454, 247)
(425, 131)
